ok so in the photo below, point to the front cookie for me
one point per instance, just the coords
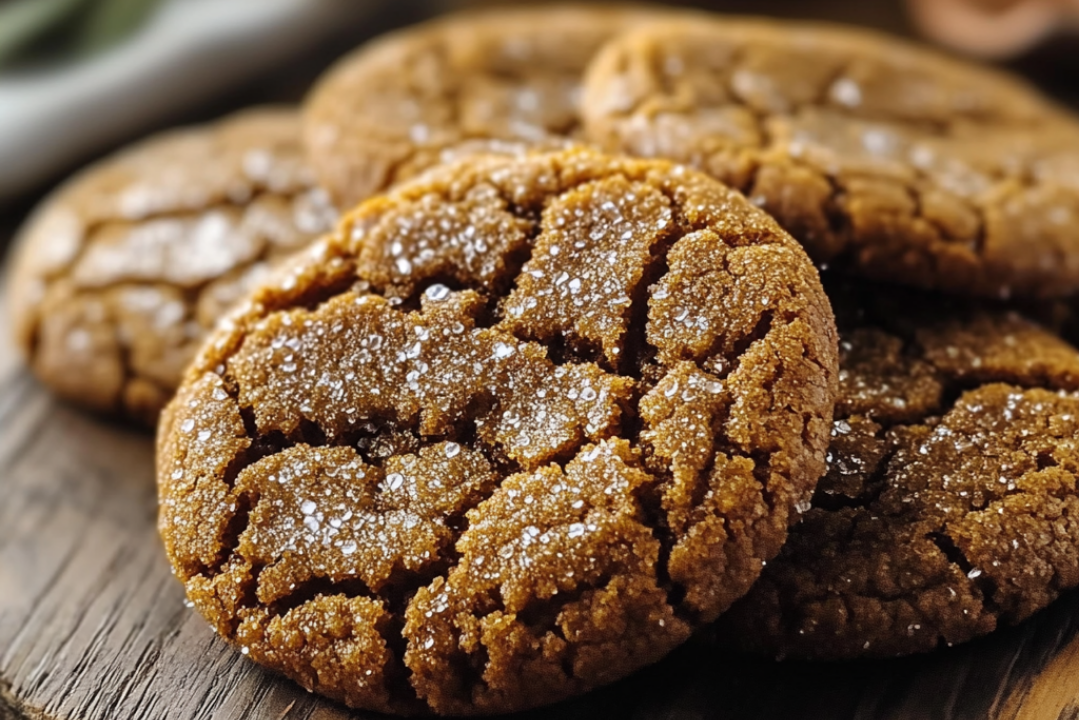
(884, 159)
(950, 502)
(512, 432)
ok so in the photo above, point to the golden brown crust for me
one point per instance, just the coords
(120, 273)
(498, 78)
(950, 502)
(430, 469)
(884, 159)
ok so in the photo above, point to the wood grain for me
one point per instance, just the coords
(93, 625)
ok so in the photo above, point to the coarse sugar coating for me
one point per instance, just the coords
(120, 273)
(494, 79)
(884, 159)
(949, 506)
(513, 431)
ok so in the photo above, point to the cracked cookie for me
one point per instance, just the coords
(491, 79)
(121, 272)
(511, 432)
(884, 159)
(949, 506)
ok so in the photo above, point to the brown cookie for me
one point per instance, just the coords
(493, 78)
(950, 502)
(512, 432)
(884, 159)
(119, 274)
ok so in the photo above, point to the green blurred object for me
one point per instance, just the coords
(108, 21)
(24, 21)
(32, 27)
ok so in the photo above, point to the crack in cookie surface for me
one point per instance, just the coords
(949, 505)
(523, 527)
(121, 273)
(871, 152)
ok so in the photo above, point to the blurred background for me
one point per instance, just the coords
(79, 78)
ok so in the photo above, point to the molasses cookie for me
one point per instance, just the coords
(885, 160)
(511, 432)
(119, 274)
(497, 78)
(949, 506)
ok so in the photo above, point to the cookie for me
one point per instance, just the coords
(495, 78)
(119, 274)
(511, 432)
(885, 160)
(949, 507)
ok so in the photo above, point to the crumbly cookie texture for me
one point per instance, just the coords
(513, 431)
(120, 273)
(496, 79)
(950, 502)
(884, 159)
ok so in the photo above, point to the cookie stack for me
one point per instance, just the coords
(634, 325)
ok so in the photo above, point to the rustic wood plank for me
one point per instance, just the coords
(1042, 697)
(93, 625)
